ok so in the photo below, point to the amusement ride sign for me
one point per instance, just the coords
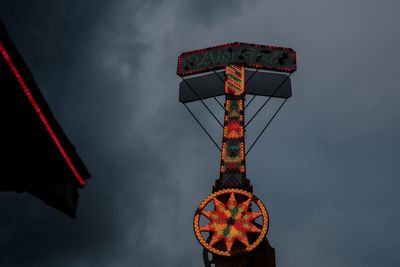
(234, 219)
(250, 55)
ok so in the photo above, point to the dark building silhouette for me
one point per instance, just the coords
(37, 156)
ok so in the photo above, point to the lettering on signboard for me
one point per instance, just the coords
(250, 55)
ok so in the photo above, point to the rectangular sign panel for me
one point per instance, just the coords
(250, 55)
(210, 85)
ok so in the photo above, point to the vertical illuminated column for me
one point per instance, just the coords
(233, 166)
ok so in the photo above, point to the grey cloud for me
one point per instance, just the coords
(326, 168)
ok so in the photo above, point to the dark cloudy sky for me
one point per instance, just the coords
(327, 168)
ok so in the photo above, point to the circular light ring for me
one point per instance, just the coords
(203, 204)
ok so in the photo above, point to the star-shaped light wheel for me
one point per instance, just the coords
(231, 221)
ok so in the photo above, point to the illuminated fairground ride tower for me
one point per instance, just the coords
(232, 223)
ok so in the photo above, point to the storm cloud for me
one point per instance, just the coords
(327, 168)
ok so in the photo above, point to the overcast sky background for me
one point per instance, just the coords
(327, 168)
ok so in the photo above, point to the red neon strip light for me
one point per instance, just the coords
(38, 110)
